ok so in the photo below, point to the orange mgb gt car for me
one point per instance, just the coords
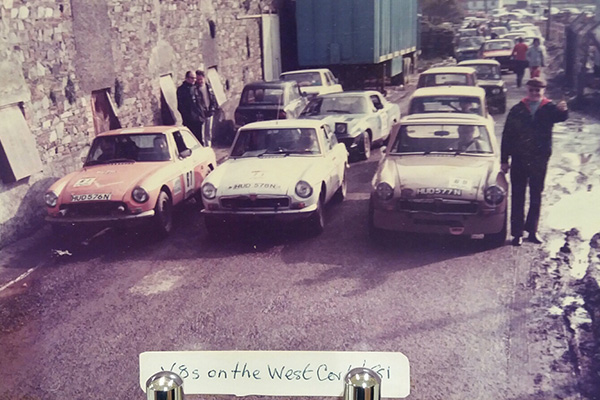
(131, 175)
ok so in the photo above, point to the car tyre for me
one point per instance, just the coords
(316, 222)
(497, 239)
(163, 214)
(375, 233)
(342, 191)
(365, 151)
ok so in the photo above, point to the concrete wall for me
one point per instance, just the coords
(54, 53)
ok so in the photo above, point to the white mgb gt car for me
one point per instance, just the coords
(441, 174)
(359, 118)
(282, 169)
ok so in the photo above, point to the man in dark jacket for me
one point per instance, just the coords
(188, 106)
(527, 141)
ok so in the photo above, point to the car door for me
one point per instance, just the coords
(382, 116)
(193, 167)
(330, 157)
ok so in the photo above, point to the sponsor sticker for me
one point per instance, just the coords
(90, 197)
(439, 192)
(84, 182)
(459, 183)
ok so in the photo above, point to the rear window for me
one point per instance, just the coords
(442, 79)
(430, 104)
(262, 96)
(304, 78)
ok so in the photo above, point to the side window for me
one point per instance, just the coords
(179, 142)
(329, 137)
(189, 140)
(377, 102)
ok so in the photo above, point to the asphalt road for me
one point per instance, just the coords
(466, 316)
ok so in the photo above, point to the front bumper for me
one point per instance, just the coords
(260, 215)
(101, 219)
(483, 222)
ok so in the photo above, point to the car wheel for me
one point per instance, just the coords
(502, 107)
(366, 147)
(163, 214)
(316, 222)
(342, 191)
(497, 239)
(374, 233)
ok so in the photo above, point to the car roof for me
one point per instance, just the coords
(283, 123)
(300, 71)
(351, 93)
(141, 130)
(447, 70)
(479, 61)
(449, 91)
(444, 118)
(497, 40)
(270, 84)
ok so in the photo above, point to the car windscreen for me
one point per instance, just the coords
(436, 104)
(442, 79)
(128, 148)
(336, 105)
(262, 95)
(470, 42)
(486, 71)
(447, 138)
(258, 142)
(304, 78)
(503, 45)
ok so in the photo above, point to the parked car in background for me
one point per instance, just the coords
(499, 30)
(262, 101)
(313, 81)
(468, 47)
(489, 78)
(417, 189)
(447, 76)
(282, 170)
(448, 99)
(130, 176)
(499, 50)
(358, 118)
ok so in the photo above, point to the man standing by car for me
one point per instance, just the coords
(187, 105)
(519, 55)
(207, 102)
(527, 141)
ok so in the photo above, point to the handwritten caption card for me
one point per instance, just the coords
(276, 373)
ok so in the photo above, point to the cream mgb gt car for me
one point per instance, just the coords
(131, 175)
(283, 169)
(441, 174)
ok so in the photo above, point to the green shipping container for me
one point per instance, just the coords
(355, 32)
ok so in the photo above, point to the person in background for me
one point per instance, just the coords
(207, 102)
(527, 144)
(535, 57)
(520, 62)
(187, 105)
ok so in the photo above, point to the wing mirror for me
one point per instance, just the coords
(185, 153)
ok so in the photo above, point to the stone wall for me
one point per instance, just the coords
(54, 53)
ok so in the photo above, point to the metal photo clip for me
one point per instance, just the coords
(164, 385)
(362, 384)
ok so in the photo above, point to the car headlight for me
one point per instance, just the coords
(494, 195)
(303, 189)
(140, 195)
(495, 91)
(209, 191)
(384, 191)
(341, 128)
(51, 199)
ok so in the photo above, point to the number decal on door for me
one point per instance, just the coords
(189, 182)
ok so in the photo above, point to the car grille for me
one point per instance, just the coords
(91, 209)
(439, 206)
(253, 203)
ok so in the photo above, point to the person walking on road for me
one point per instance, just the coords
(527, 142)
(187, 105)
(520, 63)
(207, 101)
(535, 57)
